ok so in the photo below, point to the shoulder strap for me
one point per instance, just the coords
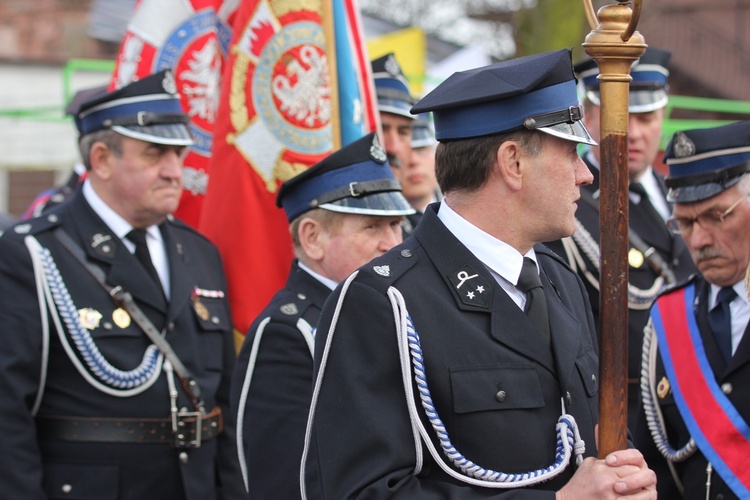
(125, 300)
(652, 256)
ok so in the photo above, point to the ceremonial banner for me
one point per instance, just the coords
(191, 37)
(287, 101)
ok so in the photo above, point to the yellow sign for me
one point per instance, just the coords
(410, 48)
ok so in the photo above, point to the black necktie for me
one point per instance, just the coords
(138, 237)
(720, 320)
(536, 304)
(645, 202)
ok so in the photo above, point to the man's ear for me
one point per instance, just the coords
(311, 237)
(102, 160)
(509, 164)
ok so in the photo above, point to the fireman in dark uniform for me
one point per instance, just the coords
(463, 363)
(92, 406)
(343, 212)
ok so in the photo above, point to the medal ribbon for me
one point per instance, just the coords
(714, 423)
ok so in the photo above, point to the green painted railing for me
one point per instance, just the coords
(57, 113)
(702, 104)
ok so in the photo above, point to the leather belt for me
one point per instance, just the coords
(125, 430)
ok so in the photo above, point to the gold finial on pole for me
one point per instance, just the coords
(615, 45)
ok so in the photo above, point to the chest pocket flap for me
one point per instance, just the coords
(495, 388)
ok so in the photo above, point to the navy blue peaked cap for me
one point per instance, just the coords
(356, 179)
(705, 162)
(81, 97)
(536, 92)
(148, 109)
(648, 90)
(391, 86)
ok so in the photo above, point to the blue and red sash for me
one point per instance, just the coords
(715, 424)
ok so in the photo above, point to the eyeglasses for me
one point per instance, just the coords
(707, 220)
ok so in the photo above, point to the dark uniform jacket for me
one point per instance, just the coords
(272, 386)
(655, 233)
(496, 386)
(62, 373)
(734, 381)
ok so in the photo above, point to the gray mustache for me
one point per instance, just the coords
(707, 253)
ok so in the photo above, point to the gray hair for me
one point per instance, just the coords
(110, 138)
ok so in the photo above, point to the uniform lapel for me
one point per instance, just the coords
(475, 289)
(565, 331)
(742, 354)
(511, 327)
(181, 279)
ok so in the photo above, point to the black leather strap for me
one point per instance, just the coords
(125, 300)
(144, 119)
(357, 189)
(123, 430)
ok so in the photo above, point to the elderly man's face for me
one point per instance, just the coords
(143, 184)
(721, 253)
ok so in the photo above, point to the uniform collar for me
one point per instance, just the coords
(326, 281)
(501, 259)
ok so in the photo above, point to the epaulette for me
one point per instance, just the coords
(383, 271)
(291, 309)
(37, 225)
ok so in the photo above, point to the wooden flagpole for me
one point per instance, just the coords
(615, 45)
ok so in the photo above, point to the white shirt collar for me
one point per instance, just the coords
(113, 220)
(326, 281)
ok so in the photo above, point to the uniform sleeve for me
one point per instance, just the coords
(272, 405)
(230, 485)
(20, 368)
(361, 443)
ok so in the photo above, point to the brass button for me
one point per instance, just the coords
(593, 378)
(184, 457)
(301, 296)
(500, 396)
(406, 253)
(67, 488)
(726, 388)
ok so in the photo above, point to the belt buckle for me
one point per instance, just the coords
(186, 424)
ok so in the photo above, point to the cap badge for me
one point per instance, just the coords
(89, 318)
(377, 152)
(289, 309)
(384, 271)
(121, 317)
(683, 146)
(391, 66)
(170, 86)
